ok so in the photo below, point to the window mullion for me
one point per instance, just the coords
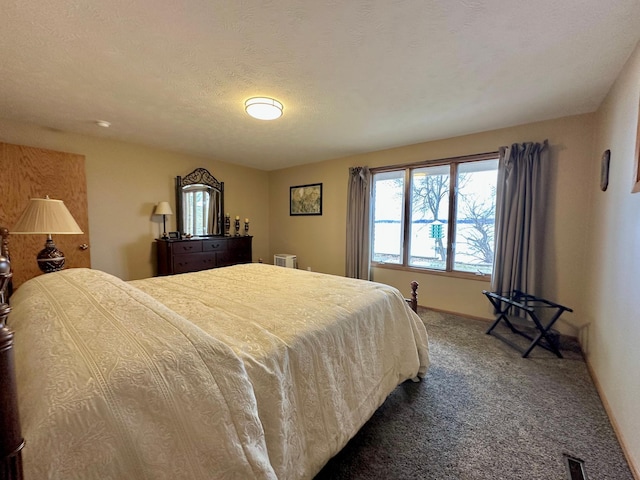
(453, 186)
(406, 222)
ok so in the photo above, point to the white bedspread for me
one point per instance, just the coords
(322, 352)
(233, 377)
(113, 385)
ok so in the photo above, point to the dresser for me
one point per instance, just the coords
(182, 256)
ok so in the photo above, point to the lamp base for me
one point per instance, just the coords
(50, 259)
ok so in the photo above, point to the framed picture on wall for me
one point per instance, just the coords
(305, 199)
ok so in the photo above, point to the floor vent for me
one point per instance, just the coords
(575, 467)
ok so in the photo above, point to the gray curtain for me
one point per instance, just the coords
(358, 221)
(521, 197)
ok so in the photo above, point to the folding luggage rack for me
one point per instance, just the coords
(524, 303)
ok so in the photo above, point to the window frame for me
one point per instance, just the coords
(453, 163)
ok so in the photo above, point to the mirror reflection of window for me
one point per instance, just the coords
(200, 204)
(198, 214)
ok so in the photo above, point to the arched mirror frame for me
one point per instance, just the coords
(200, 176)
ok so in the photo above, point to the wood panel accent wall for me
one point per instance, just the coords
(29, 172)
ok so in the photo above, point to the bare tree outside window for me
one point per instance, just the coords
(482, 215)
(428, 193)
(475, 218)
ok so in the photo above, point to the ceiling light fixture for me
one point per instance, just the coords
(103, 123)
(263, 108)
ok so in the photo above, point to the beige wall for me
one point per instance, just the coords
(125, 181)
(319, 242)
(612, 296)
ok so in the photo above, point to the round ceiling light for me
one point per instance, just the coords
(263, 108)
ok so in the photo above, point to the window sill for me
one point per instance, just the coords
(426, 271)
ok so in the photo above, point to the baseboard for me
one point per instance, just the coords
(635, 471)
(565, 341)
(458, 314)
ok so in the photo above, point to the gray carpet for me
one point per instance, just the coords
(483, 412)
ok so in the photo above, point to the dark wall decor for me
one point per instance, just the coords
(636, 168)
(305, 199)
(604, 170)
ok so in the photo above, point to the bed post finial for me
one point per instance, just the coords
(4, 248)
(413, 301)
(11, 441)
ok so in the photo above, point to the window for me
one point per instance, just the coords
(438, 215)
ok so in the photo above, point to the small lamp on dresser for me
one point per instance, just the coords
(164, 209)
(47, 216)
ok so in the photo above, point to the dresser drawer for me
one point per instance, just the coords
(188, 246)
(194, 262)
(241, 244)
(231, 257)
(214, 245)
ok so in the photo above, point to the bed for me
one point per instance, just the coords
(249, 371)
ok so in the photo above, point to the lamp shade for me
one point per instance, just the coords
(163, 208)
(47, 216)
(263, 108)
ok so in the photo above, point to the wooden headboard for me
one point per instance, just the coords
(11, 441)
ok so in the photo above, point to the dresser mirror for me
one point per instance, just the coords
(200, 204)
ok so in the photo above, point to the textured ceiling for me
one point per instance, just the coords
(354, 76)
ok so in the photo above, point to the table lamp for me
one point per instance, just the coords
(47, 216)
(164, 209)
